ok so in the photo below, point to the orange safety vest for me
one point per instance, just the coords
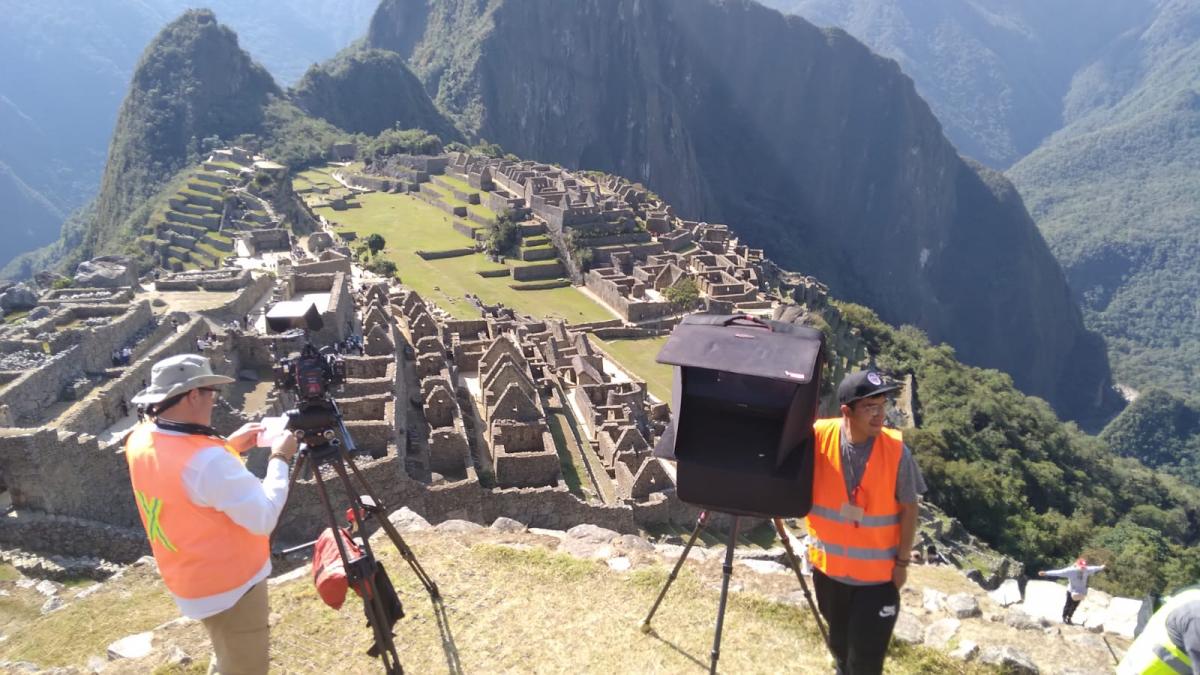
(861, 551)
(200, 551)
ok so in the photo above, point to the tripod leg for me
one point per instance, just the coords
(700, 523)
(393, 533)
(376, 617)
(726, 573)
(795, 560)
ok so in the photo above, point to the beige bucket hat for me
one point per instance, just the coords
(176, 375)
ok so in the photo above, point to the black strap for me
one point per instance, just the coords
(186, 428)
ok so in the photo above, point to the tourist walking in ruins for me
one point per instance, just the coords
(208, 518)
(1077, 584)
(862, 523)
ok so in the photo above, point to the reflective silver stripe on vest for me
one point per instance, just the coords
(867, 521)
(856, 552)
(1173, 662)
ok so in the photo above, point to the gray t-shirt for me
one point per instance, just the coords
(910, 484)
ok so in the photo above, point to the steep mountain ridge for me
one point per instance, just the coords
(192, 82)
(817, 149)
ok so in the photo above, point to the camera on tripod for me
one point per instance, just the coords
(309, 373)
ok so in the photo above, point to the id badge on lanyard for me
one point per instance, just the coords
(851, 510)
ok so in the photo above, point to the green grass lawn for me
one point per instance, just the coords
(409, 225)
(638, 356)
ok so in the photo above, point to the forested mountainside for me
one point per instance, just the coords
(72, 63)
(368, 91)
(837, 168)
(1095, 103)
(1114, 192)
(193, 82)
(995, 72)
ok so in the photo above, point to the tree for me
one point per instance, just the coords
(375, 243)
(684, 295)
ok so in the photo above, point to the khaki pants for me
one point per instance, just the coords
(241, 635)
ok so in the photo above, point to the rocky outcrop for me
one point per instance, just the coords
(106, 272)
(736, 114)
(18, 297)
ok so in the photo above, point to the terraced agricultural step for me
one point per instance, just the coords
(205, 187)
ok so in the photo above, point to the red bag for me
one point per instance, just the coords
(329, 575)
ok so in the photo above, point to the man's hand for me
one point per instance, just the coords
(285, 445)
(243, 439)
(899, 576)
(1042, 573)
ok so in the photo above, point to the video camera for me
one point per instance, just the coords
(308, 373)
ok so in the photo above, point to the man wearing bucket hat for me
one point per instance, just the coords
(208, 518)
(862, 523)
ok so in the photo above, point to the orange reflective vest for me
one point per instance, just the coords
(849, 545)
(200, 551)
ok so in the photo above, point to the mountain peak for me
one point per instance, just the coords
(192, 82)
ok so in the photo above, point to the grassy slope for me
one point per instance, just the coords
(509, 608)
(409, 225)
(638, 357)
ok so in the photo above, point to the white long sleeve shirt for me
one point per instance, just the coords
(217, 479)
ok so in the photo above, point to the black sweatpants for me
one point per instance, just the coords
(1069, 608)
(861, 619)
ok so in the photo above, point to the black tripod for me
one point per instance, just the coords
(361, 570)
(726, 573)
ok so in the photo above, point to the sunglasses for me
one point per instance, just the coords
(213, 390)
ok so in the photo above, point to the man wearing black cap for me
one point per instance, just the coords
(862, 523)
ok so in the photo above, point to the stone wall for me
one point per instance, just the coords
(245, 300)
(538, 272)
(102, 406)
(75, 537)
(67, 474)
(31, 394)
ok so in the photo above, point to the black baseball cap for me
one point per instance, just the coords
(863, 384)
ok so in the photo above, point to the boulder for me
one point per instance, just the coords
(939, 633)
(619, 564)
(592, 533)
(458, 526)
(909, 629)
(407, 520)
(963, 605)
(932, 599)
(52, 603)
(632, 542)
(105, 272)
(1015, 618)
(18, 297)
(48, 279)
(965, 651)
(1121, 616)
(39, 312)
(1044, 600)
(1010, 660)
(132, 647)
(1008, 593)
(507, 525)
(46, 587)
